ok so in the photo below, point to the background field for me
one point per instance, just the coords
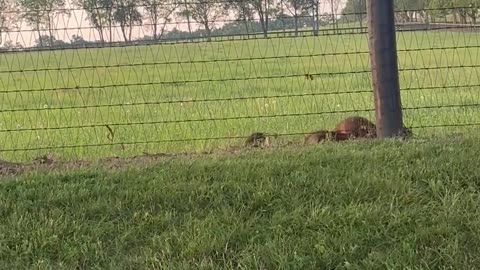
(199, 96)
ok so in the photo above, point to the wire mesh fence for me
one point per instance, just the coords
(92, 79)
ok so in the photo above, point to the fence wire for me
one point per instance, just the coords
(95, 80)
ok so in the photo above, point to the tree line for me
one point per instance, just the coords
(242, 16)
(105, 15)
(456, 11)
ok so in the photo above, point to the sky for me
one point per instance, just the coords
(77, 24)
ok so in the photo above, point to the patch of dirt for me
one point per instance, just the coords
(50, 163)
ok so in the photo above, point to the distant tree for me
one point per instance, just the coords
(466, 9)
(265, 10)
(461, 10)
(186, 12)
(296, 8)
(474, 10)
(248, 9)
(438, 8)
(158, 12)
(127, 15)
(408, 10)
(49, 41)
(41, 14)
(334, 6)
(100, 15)
(355, 10)
(315, 12)
(8, 16)
(177, 34)
(10, 46)
(206, 13)
(78, 41)
(244, 12)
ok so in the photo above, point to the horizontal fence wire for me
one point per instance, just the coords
(233, 99)
(91, 81)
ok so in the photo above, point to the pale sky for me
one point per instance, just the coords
(77, 24)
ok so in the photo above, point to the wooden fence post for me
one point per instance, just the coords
(383, 60)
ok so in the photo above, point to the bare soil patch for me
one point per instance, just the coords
(48, 163)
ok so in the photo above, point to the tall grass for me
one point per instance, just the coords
(348, 206)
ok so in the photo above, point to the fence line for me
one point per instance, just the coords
(190, 92)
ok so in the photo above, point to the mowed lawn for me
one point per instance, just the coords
(198, 96)
(377, 205)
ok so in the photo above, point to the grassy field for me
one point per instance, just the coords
(378, 205)
(169, 94)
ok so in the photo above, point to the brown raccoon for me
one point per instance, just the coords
(359, 127)
(355, 127)
(258, 139)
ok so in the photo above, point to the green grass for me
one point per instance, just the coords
(378, 205)
(343, 55)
